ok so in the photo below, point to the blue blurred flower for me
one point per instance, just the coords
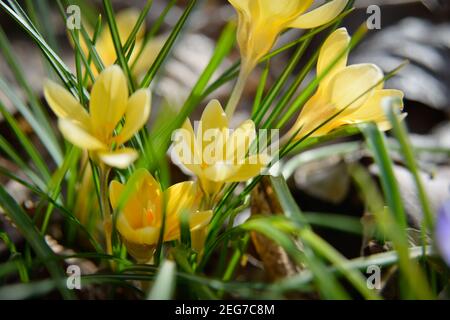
(443, 232)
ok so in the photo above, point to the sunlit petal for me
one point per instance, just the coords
(64, 105)
(336, 44)
(320, 16)
(240, 141)
(252, 167)
(121, 158)
(136, 115)
(181, 196)
(79, 136)
(109, 98)
(353, 85)
(372, 110)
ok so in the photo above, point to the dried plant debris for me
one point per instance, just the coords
(277, 262)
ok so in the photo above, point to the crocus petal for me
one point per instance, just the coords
(64, 105)
(240, 141)
(353, 85)
(115, 190)
(319, 16)
(109, 98)
(78, 136)
(218, 172)
(199, 220)
(372, 110)
(126, 21)
(213, 116)
(333, 46)
(147, 236)
(131, 210)
(212, 133)
(186, 148)
(241, 5)
(120, 158)
(281, 9)
(252, 167)
(148, 55)
(179, 197)
(136, 115)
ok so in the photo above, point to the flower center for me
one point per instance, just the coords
(149, 217)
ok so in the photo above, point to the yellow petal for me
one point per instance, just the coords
(212, 133)
(319, 16)
(126, 21)
(353, 85)
(186, 148)
(145, 236)
(120, 158)
(144, 197)
(64, 105)
(213, 116)
(240, 141)
(109, 98)
(150, 196)
(208, 186)
(136, 115)
(252, 167)
(372, 110)
(78, 136)
(199, 220)
(280, 9)
(333, 46)
(179, 197)
(148, 55)
(219, 172)
(241, 5)
(115, 191)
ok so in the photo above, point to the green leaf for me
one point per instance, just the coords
(163, 54)
(401, 133)
(117, 43)
(376, 142)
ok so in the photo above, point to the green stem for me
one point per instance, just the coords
(237, 91)
(106, 209)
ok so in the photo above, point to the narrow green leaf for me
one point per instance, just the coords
(163, 54)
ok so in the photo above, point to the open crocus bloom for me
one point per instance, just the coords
(351, 94)
(126, 20)
(261, 21)
(109, 103)
(215, 154)
(140, 220)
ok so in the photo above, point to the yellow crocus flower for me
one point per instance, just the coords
(96, 130)
(216, 155)
(140, 219)
(356, 91)
(126, 20)
(261, 21)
